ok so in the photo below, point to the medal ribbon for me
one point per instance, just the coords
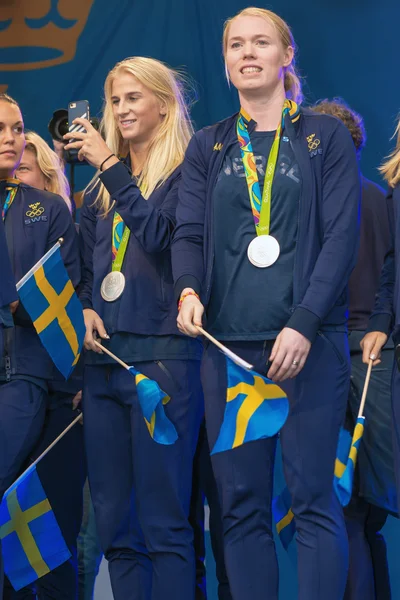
(261, 206)
(120, 239)
(12, 189)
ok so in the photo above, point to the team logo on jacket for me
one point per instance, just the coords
(35, 214)
(217, 147)
(313, 145)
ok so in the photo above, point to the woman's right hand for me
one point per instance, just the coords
(371, 345)
(94, 326)
(190, 314)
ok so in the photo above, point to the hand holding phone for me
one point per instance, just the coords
(83, 139)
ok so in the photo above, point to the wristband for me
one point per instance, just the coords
(105, 160)
(181, 299)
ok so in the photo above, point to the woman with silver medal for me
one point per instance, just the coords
(265, 242)
(140, 488)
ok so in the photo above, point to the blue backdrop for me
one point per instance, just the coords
(55, 51)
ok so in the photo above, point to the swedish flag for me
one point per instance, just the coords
(32, 542)
(48, 296)
(344, 482)
(152, 401)
(255, 408)
(342, 455)
(284, 517)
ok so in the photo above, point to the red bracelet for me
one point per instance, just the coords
(181, 299)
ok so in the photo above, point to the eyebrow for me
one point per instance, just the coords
(17, 123)
(254, 37)
(127, 94)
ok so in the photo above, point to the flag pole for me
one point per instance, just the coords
(118, 360)
(225, 350)
(365, 390)
(39, 263)
(31, 467)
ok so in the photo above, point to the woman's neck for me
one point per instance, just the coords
(138, 153)
(265, 109)
(6, 174)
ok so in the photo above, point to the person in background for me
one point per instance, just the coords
(258, 262)
(385, 318)
(374, 493)
(140, 488)
(62, 471)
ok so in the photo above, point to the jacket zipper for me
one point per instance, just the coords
(210, 260)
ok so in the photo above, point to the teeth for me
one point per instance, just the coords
(251, 70)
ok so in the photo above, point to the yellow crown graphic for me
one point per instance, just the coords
(35, 34)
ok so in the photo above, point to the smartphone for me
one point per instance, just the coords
(77, 109)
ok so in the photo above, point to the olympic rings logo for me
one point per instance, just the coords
(36, 210)
(314, 144)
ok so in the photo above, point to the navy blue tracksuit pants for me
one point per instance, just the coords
(204, 487)
(318, 398)
(22, 413)
(141, 489)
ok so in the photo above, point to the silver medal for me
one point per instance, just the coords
(112, 286)
(263, 251)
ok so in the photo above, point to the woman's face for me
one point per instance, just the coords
(255, 57)
(29, 172)
(12, 138)
(137, 111)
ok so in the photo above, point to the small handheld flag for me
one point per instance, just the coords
(256, 408)
(32, 543)
(284, 517)
(152, 400)
(344, 483)
(49, 297)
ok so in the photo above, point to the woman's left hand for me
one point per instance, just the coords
(288, 355)
(91, 145)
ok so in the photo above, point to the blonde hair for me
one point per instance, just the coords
(391, 168)
(6, 98)
(292, 81)
(50, 165)
(167, 149)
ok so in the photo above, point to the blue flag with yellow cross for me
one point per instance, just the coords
(256, 408)
(32, 543)
(49, 297)
(344, 469)
(284, 517)
(152, 400)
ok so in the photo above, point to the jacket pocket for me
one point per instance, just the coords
(176, 385)
(339, 355)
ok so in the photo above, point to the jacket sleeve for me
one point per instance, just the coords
(339, 206)
(382, 318)
(87, 242)
(151, 226)
(188, 240)
(62, 226)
